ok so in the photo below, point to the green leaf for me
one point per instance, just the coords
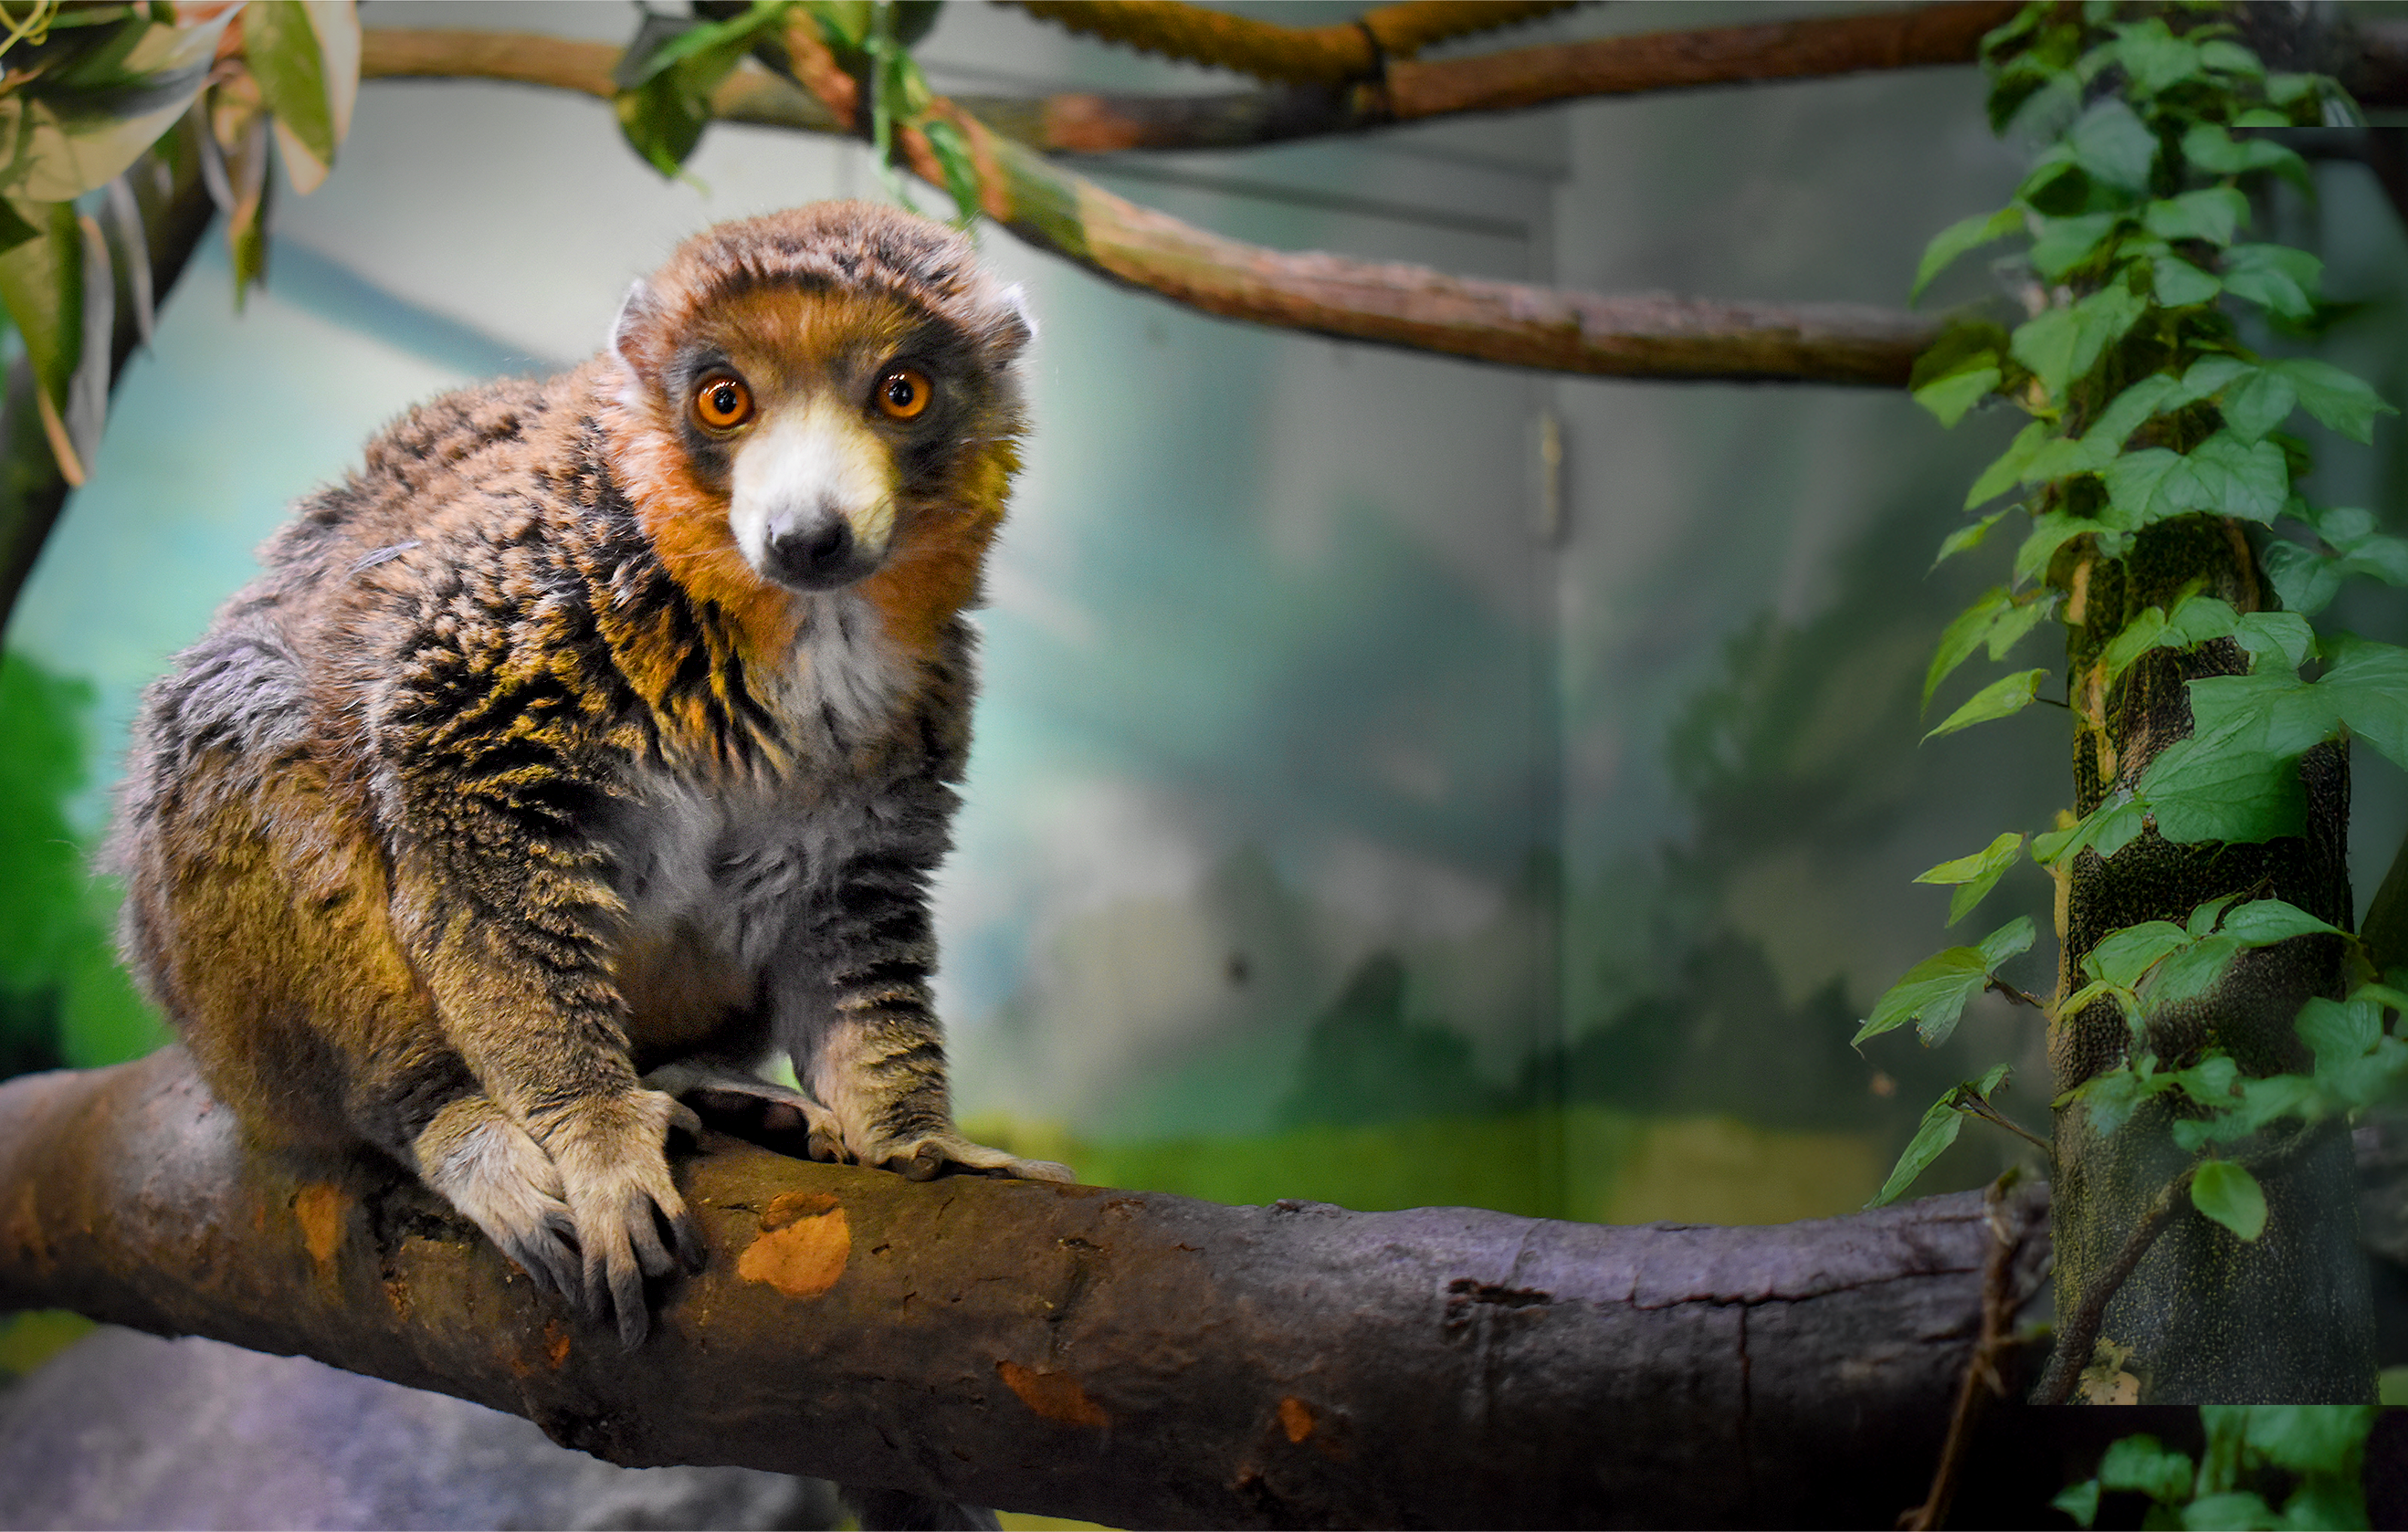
(2081, 1502)
(2179, 284)
(2209, 147)
(952, 152)
(2304, 581)
(2333, 396)
(2157, 61)
(284, 55)
(2230, 58)
(2231, 1196)
(2208, 374)
(2130, 412)
(2004, 474)
(2007, 696)
(2007, 941)
(2121, 957)
(2204, 916)
(2192, 969)
(41, 282)
(2110, 826)
(1966, 234)
(2061, 345)
(2213, 213)
(2340, 1031)
(2223, 475)
(2221, 786)
(2365, 684)
(1933, 992)
(1962, 636)
(2061, 243)
(2234, 1511)
(2114, 147)
(2277, 278)
(1941, 1122)
(2269, 634)
(2140, 1463)
(2049, 533)
(2258, 403)
(1952, 395)
(2261, 922)
(1976, 875)
(1964, 539)
(2141, 634)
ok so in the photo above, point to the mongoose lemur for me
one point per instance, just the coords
(595, 744)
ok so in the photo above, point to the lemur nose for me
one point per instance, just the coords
(816, 552)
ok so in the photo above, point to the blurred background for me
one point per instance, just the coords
(1399, 781)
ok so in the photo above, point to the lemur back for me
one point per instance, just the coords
(596, 742)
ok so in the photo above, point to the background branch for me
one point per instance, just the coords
(1648, 335)
(1135, 1359)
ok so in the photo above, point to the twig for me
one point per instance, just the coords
(1992, 1115)
(1981, 1381)
(2020, 996)
(1328, 55)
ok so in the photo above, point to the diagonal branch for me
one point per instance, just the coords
(1136, 1359)
(1412, 91)
(1648, 335)
(1329, 55)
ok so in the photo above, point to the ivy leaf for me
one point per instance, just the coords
(2108, 828)
(2130, 412)
(2265, 635)
(2277, 278)
(2192, 969)
(2230, 58)
(2001, 698)
(2207, 375)
(2224, 784)
(1976, 875)
(1941, 1123)
(1966, 234)
(2246, 480)
(2333, 396)
(2366, 686)
(1962, 636)
(2004, 474)
(1964, 539)
(2049, 533)
(2340, 1031)
(2305, 580)
(2060, 344)
(2061, 243)
(2231, 1196)
(1933, 993)
(2114, 147)
(2081, 1502)
(2139, 636)
(2209, 147)
(2213, 213)
(2157, 61)
(2262, 923)
(2140, 1463)
(2123, 956)
(2258, 402)
(2179, 284)
(1948, 398)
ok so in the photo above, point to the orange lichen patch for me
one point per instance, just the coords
(803, 1244)
(319, 1205)
(556, 1343)
(1056, 1395)
(1295, 1417)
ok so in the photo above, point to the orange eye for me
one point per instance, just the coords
(723, 403)
(903, 393)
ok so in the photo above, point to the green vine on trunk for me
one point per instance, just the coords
(2148, 406)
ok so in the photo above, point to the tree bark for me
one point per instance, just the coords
(1137, 1359)
(2208, 1317)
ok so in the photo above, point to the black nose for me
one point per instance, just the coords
(815, 554)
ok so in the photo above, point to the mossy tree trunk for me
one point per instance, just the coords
(2206, 1317)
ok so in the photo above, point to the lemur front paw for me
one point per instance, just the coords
(615, 1179)
(926, 1157)
(753, 1108)
(485, 1164)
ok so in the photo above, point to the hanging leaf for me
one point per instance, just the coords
(1963, 540)
(1941, 1123)
(305, 56)
(1967, 233)
(2001, 698)
(1976, 875)
(2231, 1196)
(41, 282)
(2333, 396)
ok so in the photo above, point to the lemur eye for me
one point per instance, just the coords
(903, 392)
(723, 403)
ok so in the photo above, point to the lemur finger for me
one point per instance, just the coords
(684, 1120)
(685, 1234)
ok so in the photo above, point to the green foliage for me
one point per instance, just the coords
(1941, 1123)
(1933, 993)
(2147, 406)
(2306, 1459)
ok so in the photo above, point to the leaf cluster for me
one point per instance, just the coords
(2146, 405)
(2263, 1466)
(670, 70)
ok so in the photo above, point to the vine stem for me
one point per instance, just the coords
(2081, 1333)
(1981, 1381)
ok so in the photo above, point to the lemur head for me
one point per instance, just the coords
(817, 399)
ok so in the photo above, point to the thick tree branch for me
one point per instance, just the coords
(1329, 55)
(1648, 335)
(1137, 1359)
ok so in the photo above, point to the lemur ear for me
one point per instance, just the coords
(636, 312)
(1018, 329)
